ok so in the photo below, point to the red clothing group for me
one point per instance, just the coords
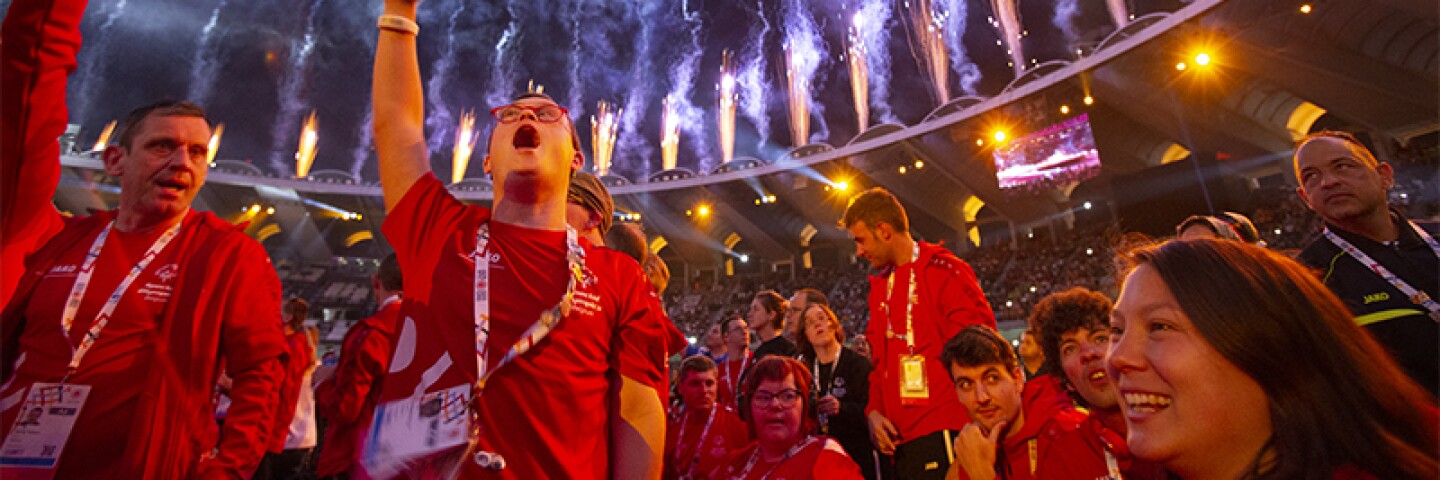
(1055, 442)
(347, 399)
(822, 459)
(533, 410)
(948, 300)
(700, 449)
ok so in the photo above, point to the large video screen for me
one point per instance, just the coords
(1060, 155)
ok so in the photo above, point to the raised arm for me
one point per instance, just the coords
(399, 107)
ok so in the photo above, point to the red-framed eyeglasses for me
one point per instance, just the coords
(542, 113)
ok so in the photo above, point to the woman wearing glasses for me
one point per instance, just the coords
(841, 378)
(777, 403)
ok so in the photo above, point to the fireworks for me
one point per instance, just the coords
(726, 106)
(104, 139)
(465, 139)
(928, 45)
(669, 134)
(604, 127)
(305, 155)
(859, 73)
(1009, 22)
(799, 99)
(214, 145)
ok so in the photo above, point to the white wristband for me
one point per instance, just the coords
(397, 23)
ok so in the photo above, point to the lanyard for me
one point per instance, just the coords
(542, 326)
(1417, 297)
(909, 303)
(694, 453)
(388, 300)
(755, 456)
(729, 382)
(82, 283)
(833, 368)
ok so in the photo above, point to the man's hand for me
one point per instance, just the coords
(975, 450)
(829, 405)
(884, 433)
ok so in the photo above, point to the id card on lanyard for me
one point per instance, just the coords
(47, 416)
(914, 385)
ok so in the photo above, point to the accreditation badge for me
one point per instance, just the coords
(914, 390)
(32, 450)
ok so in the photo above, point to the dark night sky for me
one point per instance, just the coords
(261, 81)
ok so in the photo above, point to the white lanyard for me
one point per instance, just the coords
(834, 372)
(1417, 297)
(755, 456)
(82, 283)
(909, 303)
(729, 382)
(388, 300)
(542, 326)
(694, 453)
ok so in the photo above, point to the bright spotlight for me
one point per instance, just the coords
(270, 211)
(979, 142)
(1305, 9)
(902, 169)
(744, 258)
(1180, 66)
(1089, 100)
(1087, 205)
(255, 208)
(842, 185)
(999, 135)
(1202, 59)
(1064, 109)
(1089, 251)
(919, 164)
(703, 210)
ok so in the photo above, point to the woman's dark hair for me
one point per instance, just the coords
(775, 304)
(776, 368)
(1336, 398)
(1062, 312)
(296, 310)
(802, 340)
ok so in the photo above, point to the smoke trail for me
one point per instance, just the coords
(1007, 17)
(204, 65)
(635, 153)
(576, 102)
(1119, 12)
(289, 95)
(874, 32)
(751, 79)
(88, 79)
(440, 121)
(502, 79)
(1065, 13)
(806, 51)
(682, 82)
(361, 153)
(954, 23)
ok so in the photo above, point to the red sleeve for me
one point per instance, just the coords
(354, 377)
(877, 373)
(254, 349)
(958, 295)
(639, 351)
(295, 365)
(38, 43)
(1072, 455)
(834, 464)
(416, 228)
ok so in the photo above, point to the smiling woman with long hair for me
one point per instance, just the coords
(1236, 362)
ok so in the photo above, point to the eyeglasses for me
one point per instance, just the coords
(786, 398)
(543, 113)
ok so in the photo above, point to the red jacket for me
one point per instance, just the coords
(225, 313)
(347, 399)
(949, 299)
(38, 44)
(1056, 436)
(302, 357)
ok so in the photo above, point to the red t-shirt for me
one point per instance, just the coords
(682, 457)
(112, 368)
(545, 412)
(949, 299)
(728, 376)
(823, 459)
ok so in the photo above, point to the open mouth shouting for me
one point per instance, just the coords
(526, 137)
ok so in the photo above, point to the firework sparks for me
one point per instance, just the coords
(1008, 21)
(856, 53)
(726, 104)
(927, 44)
(305, 155)
(214, 145)
(465, 139)
(669, 134)
(104, 139)
(799, 99)
(604, 128)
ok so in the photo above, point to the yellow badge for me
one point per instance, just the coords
(914, 390)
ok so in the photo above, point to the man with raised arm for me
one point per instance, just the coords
(122, 321)
(521, 352)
